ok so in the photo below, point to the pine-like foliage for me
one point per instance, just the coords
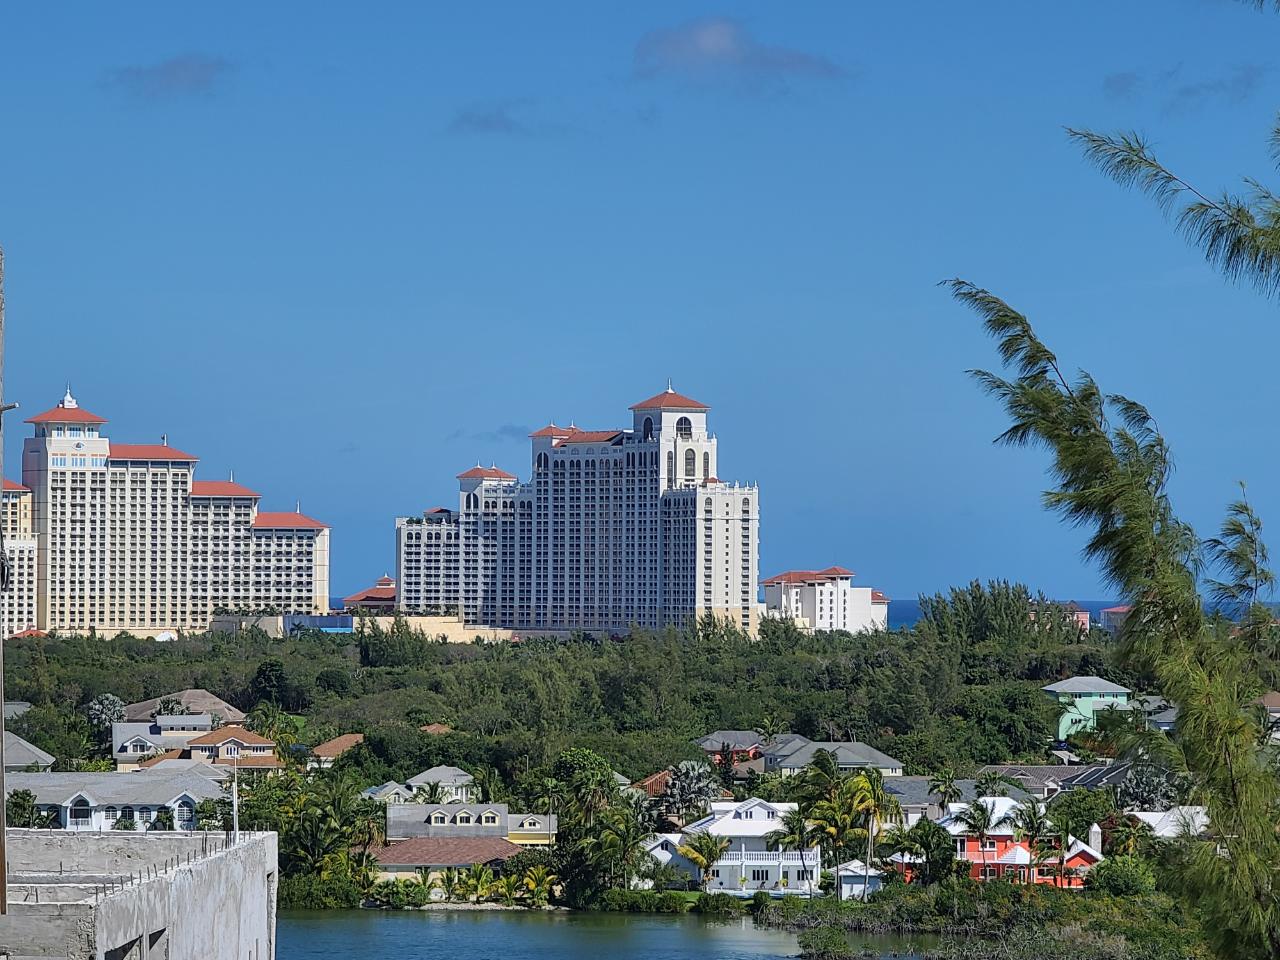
(1238, 232)
(1110, 468)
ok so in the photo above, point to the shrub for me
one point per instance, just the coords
(718, 903)
(824, 943)
(1122, 877)
(309, 892)
(672, 902)
(759, 900)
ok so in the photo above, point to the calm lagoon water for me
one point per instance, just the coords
(494, 935)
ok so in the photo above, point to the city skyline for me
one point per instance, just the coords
(400, 244)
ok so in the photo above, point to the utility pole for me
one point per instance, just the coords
(5, 574)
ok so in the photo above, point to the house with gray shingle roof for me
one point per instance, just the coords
(20, 755)
(456, 785)
(1081, 698)
(132, 742)
(97, 801)
(792, 754)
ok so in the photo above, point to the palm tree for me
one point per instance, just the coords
(703, 849)
(538, 880)
(821, 778)
(877, 806)
(621, 842)
(978, 820)
(796, 834)
(1030, 825)
(507, 888)
(429, 793)
(453, 883)
(839, 822)
(364, 868)
(478, 881)
(943, 785)
(993, 783)
(550, 790)
(369, 829)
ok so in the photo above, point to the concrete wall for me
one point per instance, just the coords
(190, 896)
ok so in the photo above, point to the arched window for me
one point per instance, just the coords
(144, 814)
(543, 460)
(684, 428)
(707, 504)
(80, 813)
(186, 815)
(112, 814)
(706, 465)
(690, 463)
(646, 432)
(126, 813)
(746, 504)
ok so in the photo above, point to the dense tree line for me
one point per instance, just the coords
(958, 689)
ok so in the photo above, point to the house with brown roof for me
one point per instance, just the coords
(434, 855)
(235, 747)
(380, 598)
(192, 701)
(324, 754)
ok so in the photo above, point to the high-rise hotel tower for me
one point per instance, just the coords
(615, 528)
(121, 536)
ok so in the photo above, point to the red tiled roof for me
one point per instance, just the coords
(62, 414)
(588, 436)
(248, 760)
(809, 576)
(220, 488)
(1123, 608)
(338, 745)
(654, 785)
(446, 851)
(438, 510)
(287, 521)
(671, 400)
(436, 729)
(486, 473)
(551, 430)
(28, 633)
(147, 451)
(372, 593)
(878, 597)
(229, 732)
(17, 487)
(174, 754)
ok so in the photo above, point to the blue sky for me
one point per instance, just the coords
(349, 250)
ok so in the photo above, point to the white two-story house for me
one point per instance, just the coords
(748, 864)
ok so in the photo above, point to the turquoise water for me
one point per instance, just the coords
(493, 935)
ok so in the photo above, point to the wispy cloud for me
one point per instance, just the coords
(183, 76)
(507, 431)
(1121, 86)
(505, 118)
(1235, 87)
(1177, 93)
(722, 47)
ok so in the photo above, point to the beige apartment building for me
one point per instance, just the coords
(124, 538)
(615, 528)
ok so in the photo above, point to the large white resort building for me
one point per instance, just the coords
(615, 528)
(122, 537)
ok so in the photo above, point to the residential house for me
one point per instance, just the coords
(324, 754)
(408, 820)
(167, 764)
(192, 701)
(456, 786)
(97, 801)
(132, 742)
(1069, 610)
(21, 755)
(744, 744)
(433, 855)
(1041, 781)
(917, 800)
(748, 864)
(665, 849)
(1000, 854)
(389, 792)
(1113, 618)
(791, 753)
(1081, 698)
(856, 881)
(235, 748)
(1176, 822)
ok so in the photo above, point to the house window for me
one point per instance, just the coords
(530, 823)
(439, 817)
(684, 428)
(112, 814)
(186, 814)
(127, 813)
(803, 874)
(489, 818)
(80, 813)
(464, 817)
(960, 846)
(988, 846)
(988, 873)
(144, 814)
(232, 750)
(759, 876)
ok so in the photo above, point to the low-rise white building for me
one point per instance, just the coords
(748, 864)
(825, 600)
(98, 801)
(456, 785)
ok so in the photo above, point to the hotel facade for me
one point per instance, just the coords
(614, 529)
(122, 537)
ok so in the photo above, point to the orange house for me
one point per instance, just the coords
(1001, 855)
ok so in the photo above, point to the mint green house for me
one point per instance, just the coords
(1082, 698)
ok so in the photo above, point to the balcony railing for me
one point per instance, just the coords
(787, 858)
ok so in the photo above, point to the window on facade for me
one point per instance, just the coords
(684, 428)
(80, 811)
(464, 817)
(112, 814)
(671, 463)
(144, 814)
(690, 462)
(126, 813)
(186, 814)
(646, 431)
(439, 817)
(758, 876)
